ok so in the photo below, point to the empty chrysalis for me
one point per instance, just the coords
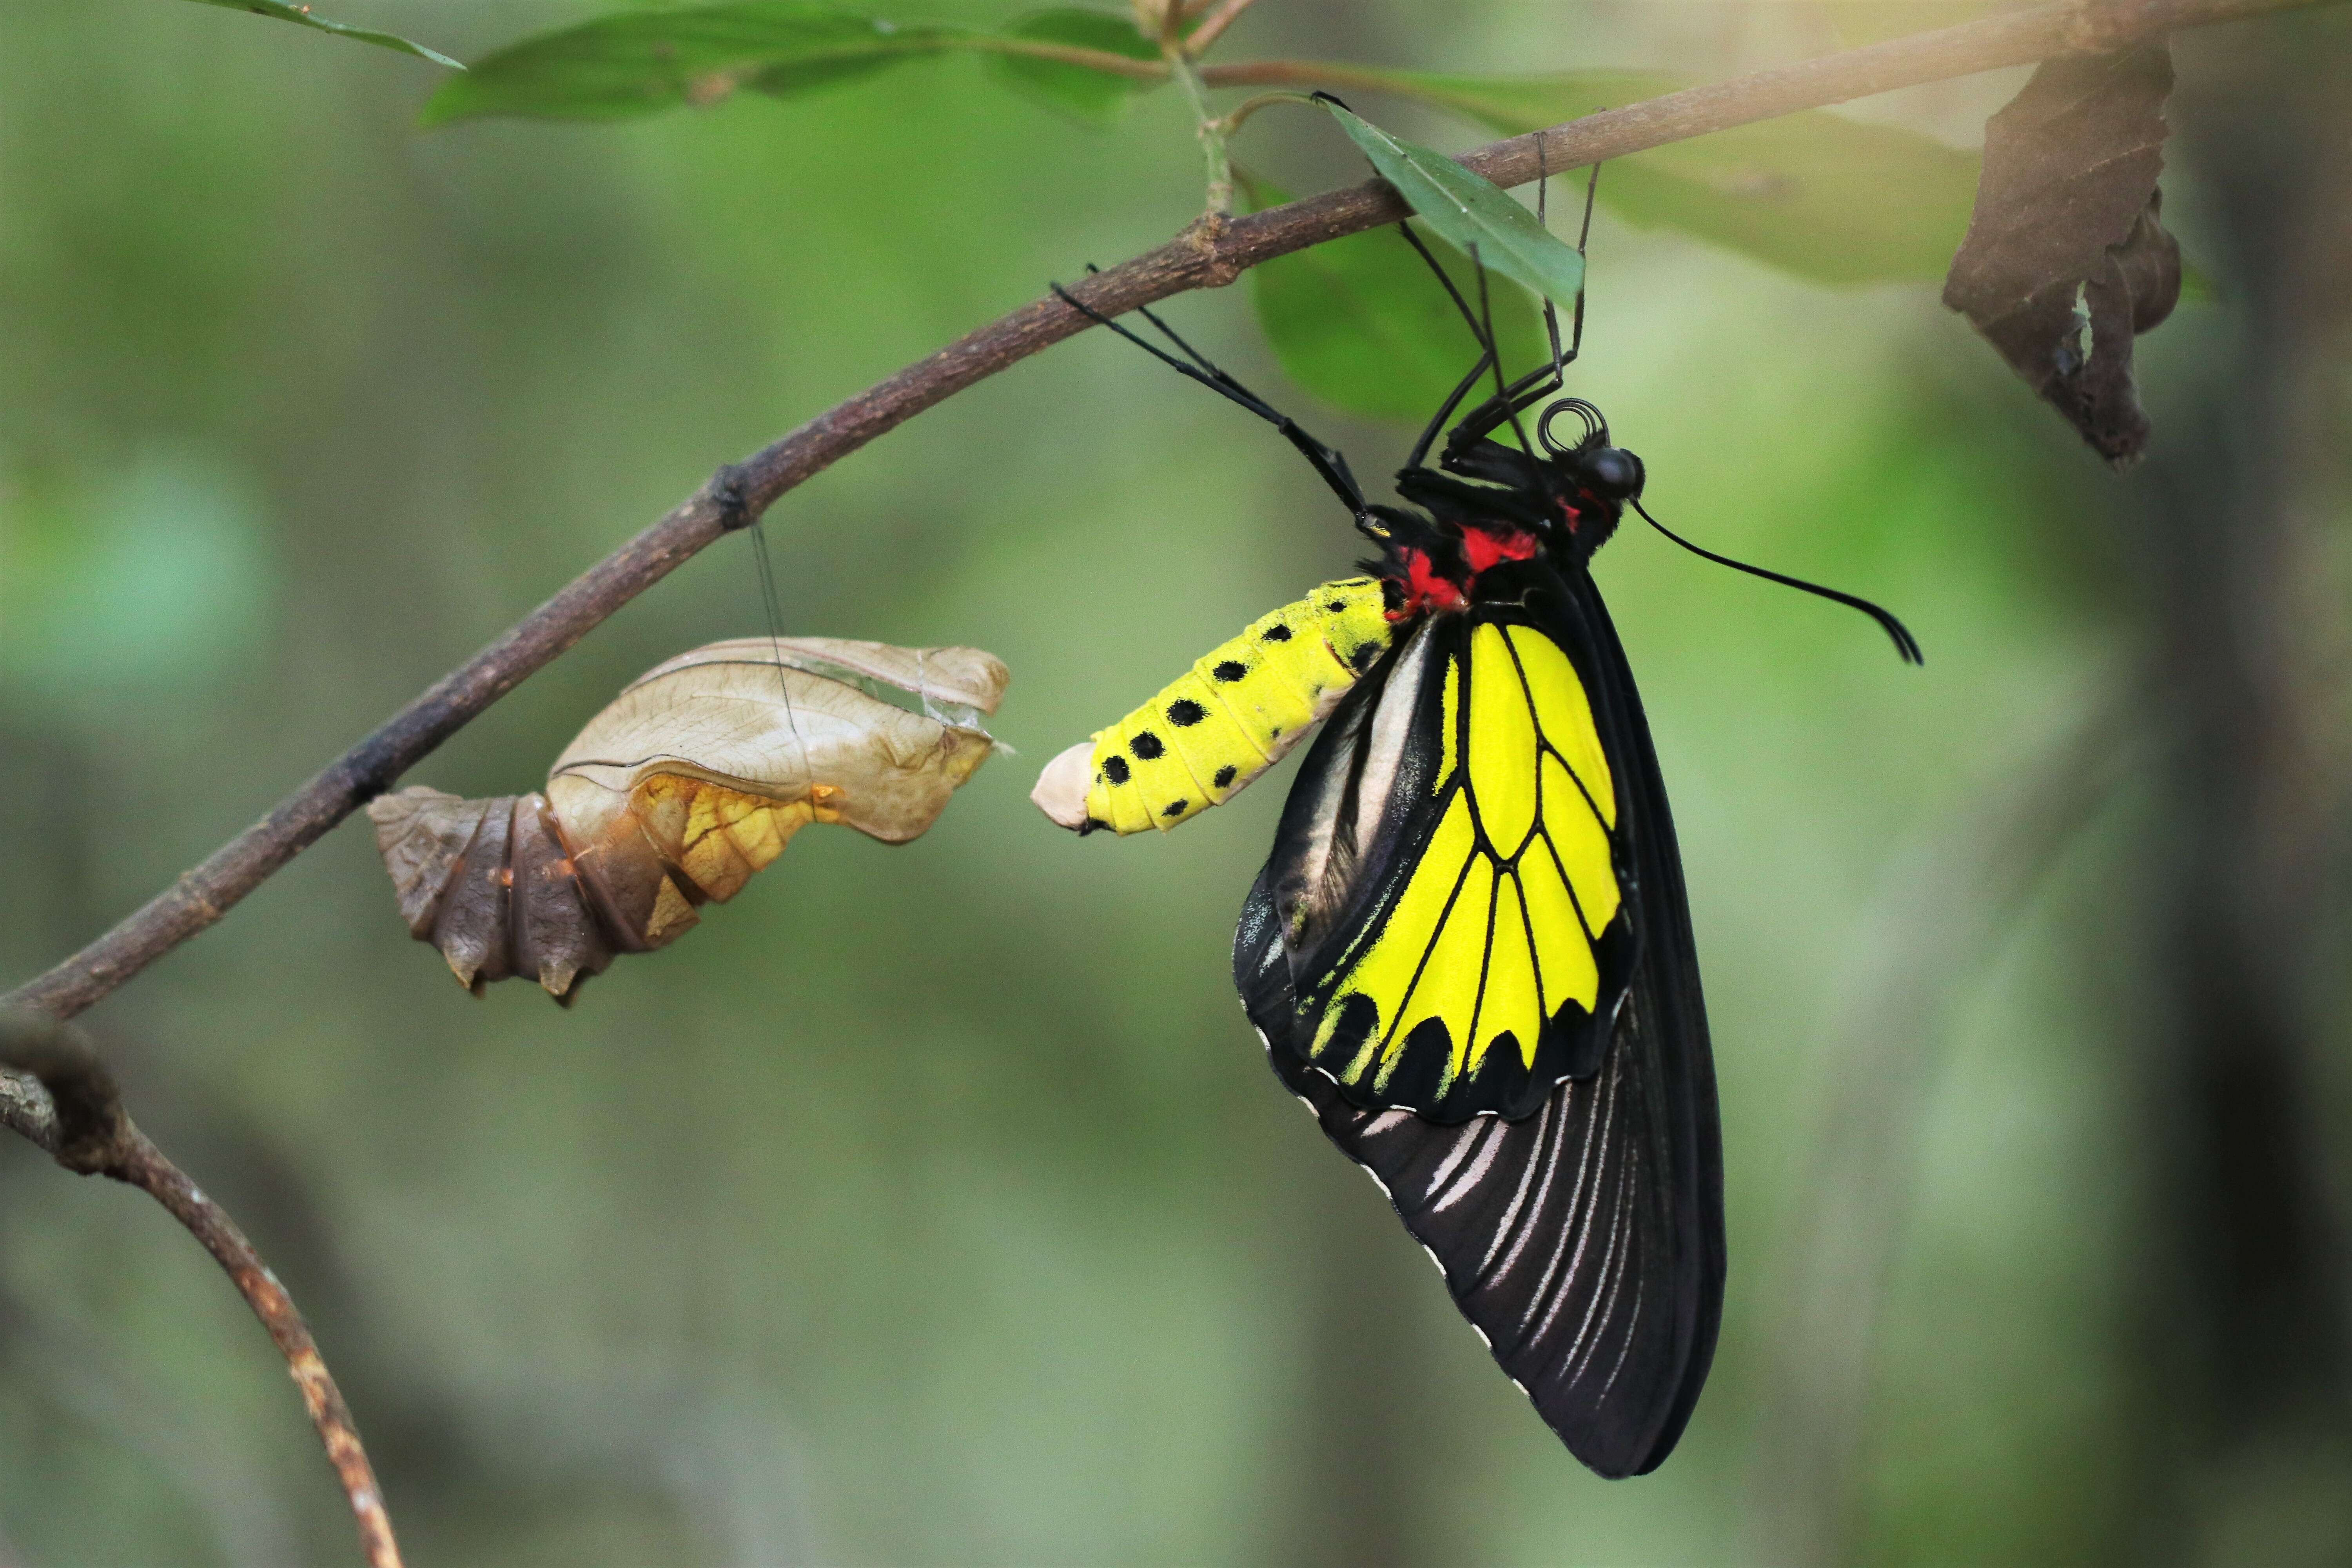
(696, 776)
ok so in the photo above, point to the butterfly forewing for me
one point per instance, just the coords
(1451, 893)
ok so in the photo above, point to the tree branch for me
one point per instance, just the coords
(66, 1101)
(1198, 259)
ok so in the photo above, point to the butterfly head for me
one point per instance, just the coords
(1568, 491)
(1587, 479)
(1489, 503)
(1609, 474)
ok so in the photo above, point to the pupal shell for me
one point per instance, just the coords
(696, 776)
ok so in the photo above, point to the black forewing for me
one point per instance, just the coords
(1584, 1242)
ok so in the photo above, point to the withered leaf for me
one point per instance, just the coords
(2066, 260)
(695, 777)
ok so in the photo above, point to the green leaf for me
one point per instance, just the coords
(641, 62)
(1361, 325)
(1091, 97)
(1827, 199)
(301, 17)
(1470, 211)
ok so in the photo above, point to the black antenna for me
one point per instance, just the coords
(1904, 643)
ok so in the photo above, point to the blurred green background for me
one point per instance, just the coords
(933, 1204)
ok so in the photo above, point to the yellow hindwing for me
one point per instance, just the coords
(1496, 931)
(1237, 711)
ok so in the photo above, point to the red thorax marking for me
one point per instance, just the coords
(1483, 548)
(1425, 589)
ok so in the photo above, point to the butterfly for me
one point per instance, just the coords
(1469, 952)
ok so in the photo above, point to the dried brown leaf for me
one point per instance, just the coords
(2066, 260)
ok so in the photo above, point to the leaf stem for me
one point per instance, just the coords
(1247, 107)
(1210, 130)
(1217, 21)
(1102, 60)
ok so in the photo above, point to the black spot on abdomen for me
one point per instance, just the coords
(1147, 745)
(1224, 776)
(1230, 672)
(1184, 712)
(1115, 769)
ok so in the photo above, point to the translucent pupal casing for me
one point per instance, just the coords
(695, 777)
(1237, 712)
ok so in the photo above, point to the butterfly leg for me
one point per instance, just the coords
(1325, 460)
(1533, 388)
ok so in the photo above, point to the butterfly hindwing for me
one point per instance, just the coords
(1454, 887)
(1583, 1239)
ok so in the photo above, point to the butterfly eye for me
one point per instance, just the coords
(1613, 473)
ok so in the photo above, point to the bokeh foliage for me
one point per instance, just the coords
(933, 1204)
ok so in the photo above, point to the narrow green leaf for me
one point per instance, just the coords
(301, 17)
(1362, 325)
(1469, 210)
(1090, 97)
(633, 63)
(1827, 199)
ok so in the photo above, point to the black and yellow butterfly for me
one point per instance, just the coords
(1470, 950)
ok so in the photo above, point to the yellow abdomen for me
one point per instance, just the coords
(1228, 718)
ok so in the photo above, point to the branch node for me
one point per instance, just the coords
(191, 888)
(729, 490)
(87, 1132)
(1204, 237)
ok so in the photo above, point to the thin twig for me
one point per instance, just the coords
(1214, 26)
(78, 1119)
(1102, 60)
(1217, 204)
(1203, 257)
(1239, 114)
